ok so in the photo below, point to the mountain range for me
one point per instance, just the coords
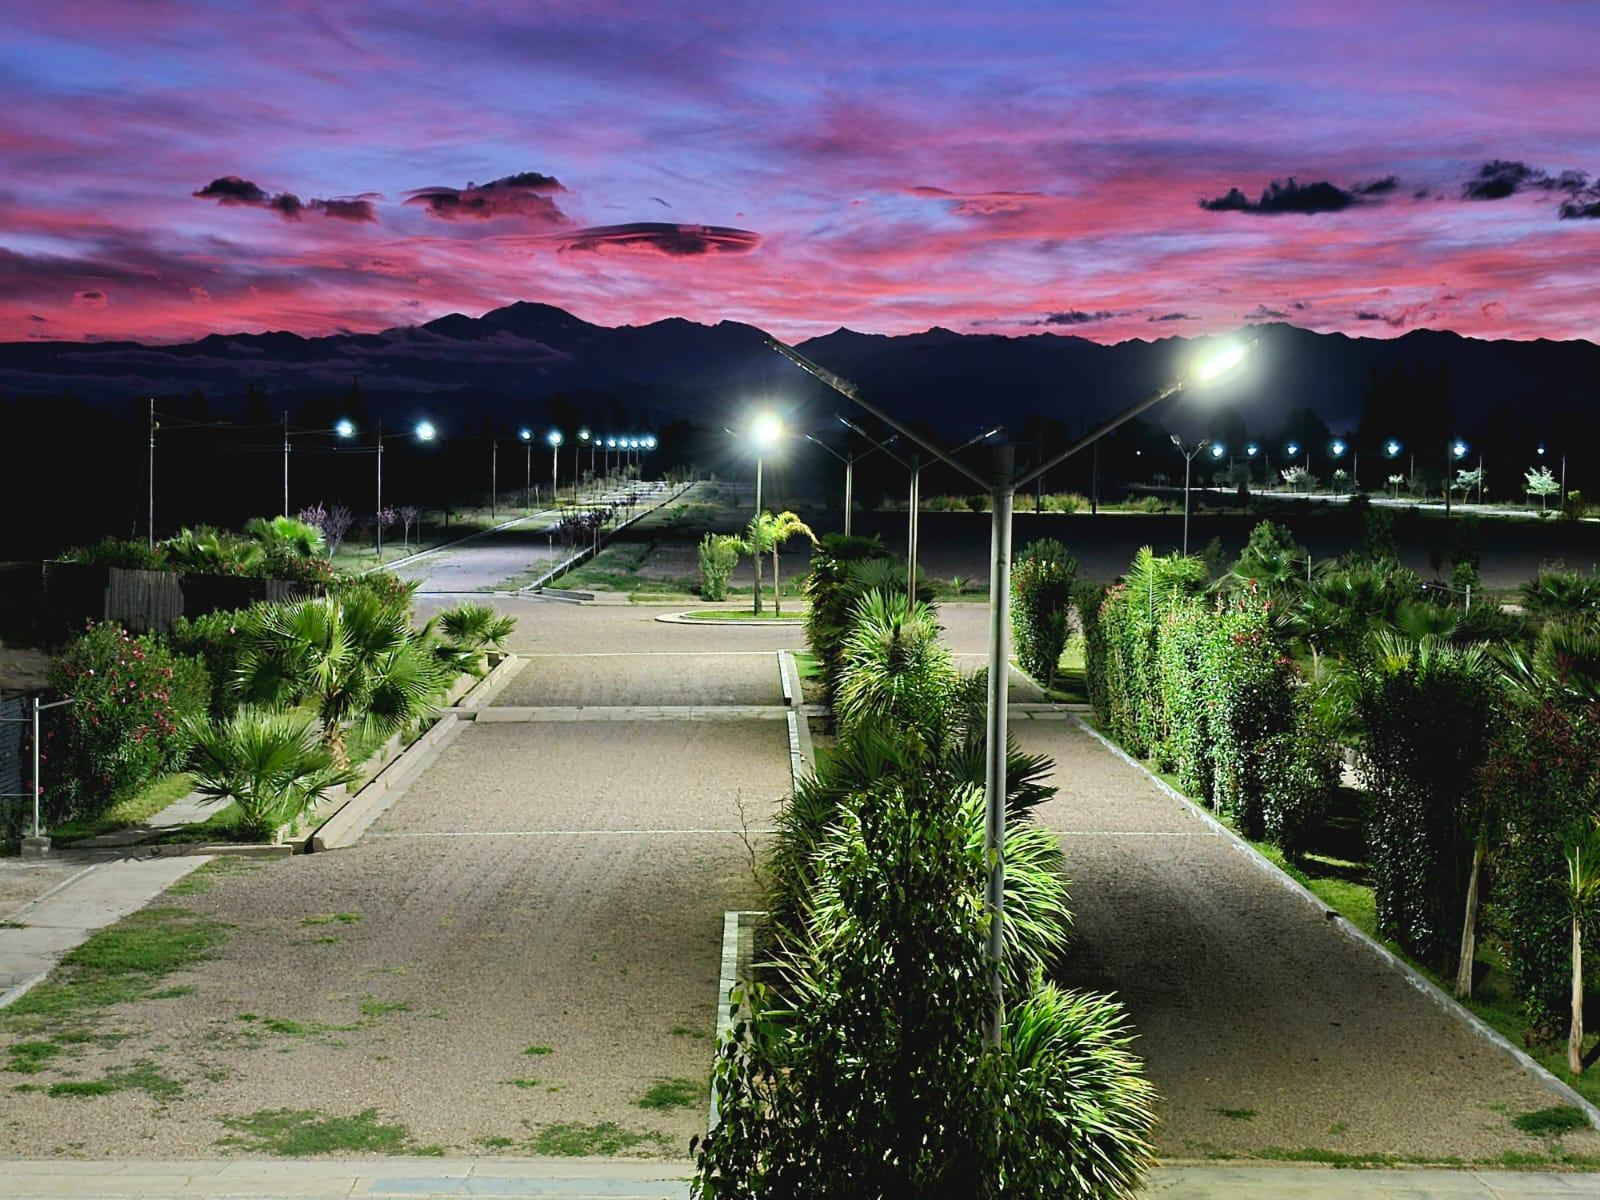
(523, 361)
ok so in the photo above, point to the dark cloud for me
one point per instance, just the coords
(526, 194)
(679, 241)
(230, 191)
(1394, 319)
(37, 317)
(1072, 316)
(1172, 316)
(92, 298)
(1299, 305)
(1501, 178)
(1378, 187)
(1262, 313)
(1290, 197)
(1584, 207)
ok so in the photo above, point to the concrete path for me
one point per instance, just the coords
(548, 1179)
(1265, 1030)
(35, 936)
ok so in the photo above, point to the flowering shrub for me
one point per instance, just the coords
(133, 695)
(216, 640)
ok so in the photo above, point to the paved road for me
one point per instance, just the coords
(491, 559)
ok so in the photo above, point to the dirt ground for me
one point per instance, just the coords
(558, 887)
(1264, 1029)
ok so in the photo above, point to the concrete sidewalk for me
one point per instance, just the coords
(36, 935)
(620, 1179)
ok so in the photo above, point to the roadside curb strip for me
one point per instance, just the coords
(486, 689)
(802, 758)
(345, 827)
(1415, 978)
(210, 849)
(683, 618)
(593, 550)
(737, 953)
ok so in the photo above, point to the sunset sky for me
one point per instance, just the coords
(169, 170)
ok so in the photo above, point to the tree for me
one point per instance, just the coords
(1299, 479)
(408, 517)
(766, 533)
(284, 537)
(351, 657)
(1395, 481)
(270, 764)
(1541, 483)
(1466, 481)
(1581, 848)
(1042, 580)
(719, 555)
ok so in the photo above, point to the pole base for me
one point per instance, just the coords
(35, 847)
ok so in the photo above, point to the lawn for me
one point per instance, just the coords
(743, 614)
(134, 810)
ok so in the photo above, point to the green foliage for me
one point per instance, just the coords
(894, 670)
(1540, 771)
(1548, 1122)
(206, 550)
(298, 1133)
(270, 764)
(352, 658)
(467, 633)
(1557, 592)
(843, 569)
(1378, 541)
(387, 588)
(1065, 502)
(1300, 768)
(1042, 582)
(134, 554)
(127, 727)
(1089, 600)
(719, 555)
(1575, 507)
(216, 639)
(1427, 711)
(1271, 561)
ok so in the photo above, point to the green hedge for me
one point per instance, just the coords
(1042, 581)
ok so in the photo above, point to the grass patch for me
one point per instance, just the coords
(1546, 1122)
(806, 663)
(525, 1084)
(1329, 1158)
(205, 877)
(685, 1031)
(538, 1050)
(570, 1139)
(141, 1077)
(1238, 1114)
(344, 918)
(132, 810)
(302, 1132)
(667, 1094)
(80, 1088)
(382, 1008)
(29, 1058)
(494, 1142)
(121, 963)
(226, 824)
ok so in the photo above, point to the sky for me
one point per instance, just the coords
(1111, 171)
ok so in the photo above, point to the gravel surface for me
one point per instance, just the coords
(1264, 1028)
(556, 886)
(673, 678)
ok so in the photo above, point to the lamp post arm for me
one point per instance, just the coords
(849, 390)
(1105, 427)
(876, 444)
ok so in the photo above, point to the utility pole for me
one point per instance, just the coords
(150, 515)
(286, 462)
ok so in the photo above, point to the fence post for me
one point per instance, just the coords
(1469, 597)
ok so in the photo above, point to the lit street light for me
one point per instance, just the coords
(423, 431)
(1455, 450)
(527, 468)
(1002, 486)
(555, 439)
(766, 431)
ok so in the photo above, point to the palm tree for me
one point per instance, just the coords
(1582, 850)
(350, 658)
(285, 537)
(767, 533)
(270, 764)
(468, 631)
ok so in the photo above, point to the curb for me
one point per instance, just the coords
(735, 966)
(1415, 978)
(802, 758)
(593, 550)
(683, 618)
(486, 689)
(345, 827)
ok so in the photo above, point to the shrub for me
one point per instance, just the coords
(1089, 599)
(1185, 745)
(270, 764)
(216, 639)
(1042, 581)
(385, 587)
(206, 550)
(842, 570)
(1065, 502)
(1427, 712)
(1300, 767)
(719, 555)
(1575, 507)
(467, 633)
(979, 503)
(129, 553)
(1555, 592)
(1272, 561)
(895, 673)
(127, 727)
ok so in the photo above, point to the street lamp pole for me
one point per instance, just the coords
(554, 438)
(150, 515)
(527, 469)
(494, 477)
(1002, 487)
(286, 462)
(1188, 461)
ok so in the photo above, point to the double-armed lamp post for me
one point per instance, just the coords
(1002, 486)
(423, 431)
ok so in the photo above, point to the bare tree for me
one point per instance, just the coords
(335, 525)
(408, 517)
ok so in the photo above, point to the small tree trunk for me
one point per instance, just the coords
(1469, 927)
(777, 594)
(333, 739)
(1575, 1037)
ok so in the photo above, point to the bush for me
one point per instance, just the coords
(1556, 592)
(1300, 767)
(1042, 581)
(1065, 502)
(1574, 507)
(842, 569)
(467, 633)
(132, 554)
(128, 725)
(895, 672)
(1089, 599)
(1427, 712)
(271, 765)
(385, 587)
(216, 639)
(719, 555)
(1538, 764)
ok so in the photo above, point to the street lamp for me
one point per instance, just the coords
(766, 431)
(1454, 451)
(526, 436)
(555, 439)
(1003, 486)
(1336, 450)
(423, 431)
(1188, 462)
(1392, 448)
(583, 440)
